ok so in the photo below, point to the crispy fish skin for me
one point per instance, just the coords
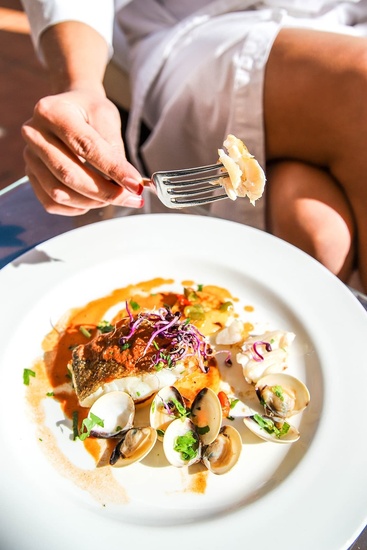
(104, 359)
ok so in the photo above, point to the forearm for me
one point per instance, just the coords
(75, 55)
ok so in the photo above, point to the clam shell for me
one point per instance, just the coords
(181, 428)
(163, 410)
(294, 395)
(206, 414)
(290, 437)
(117, 410)
(223, 453)
(135, 444)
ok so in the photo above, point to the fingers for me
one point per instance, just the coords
(60, 199)
(55, 164)
(93, 134)
(71, 164)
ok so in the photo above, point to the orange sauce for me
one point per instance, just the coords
(53, 375)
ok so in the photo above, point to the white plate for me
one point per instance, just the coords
(309, 495)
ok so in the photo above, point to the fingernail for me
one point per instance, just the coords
(134, 201)
(132, 185)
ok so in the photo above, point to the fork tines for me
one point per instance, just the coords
(190, 187)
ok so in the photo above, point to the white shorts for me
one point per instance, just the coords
(211, 84)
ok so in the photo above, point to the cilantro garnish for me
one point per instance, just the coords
(134, 305)
(88, 424)
(225, 306)
(233, 403)
(181, 409)
(27, 373)
(105, 326)
(278, 391)
(202, 430)
(187, 445)
(75, 424)
(269, 426)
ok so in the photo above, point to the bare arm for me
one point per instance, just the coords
(77, 128)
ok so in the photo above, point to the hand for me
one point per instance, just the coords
(74, 147)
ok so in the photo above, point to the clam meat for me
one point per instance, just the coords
(135, 445)
(271, 429)
(223, 453)
(282, 395)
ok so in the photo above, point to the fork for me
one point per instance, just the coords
(187, 187)
(178, 188)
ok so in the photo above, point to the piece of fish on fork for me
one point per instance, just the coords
(190, 187)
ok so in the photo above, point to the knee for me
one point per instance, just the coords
(308, 209)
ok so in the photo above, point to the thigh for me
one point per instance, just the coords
(314, 90)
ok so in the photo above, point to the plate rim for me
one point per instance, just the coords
(346, 298)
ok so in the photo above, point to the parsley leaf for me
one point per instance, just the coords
(187, 445)
(134, 305)
(105, 326)
(181, 409)
(88, 425)
(27, 373)
(269, 426)
(278, 391)
(202, 429)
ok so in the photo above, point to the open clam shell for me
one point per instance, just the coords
(117, 410)
(282, 395)
(270, 430)
(181, 443)
(166, 406)
(206, 414)
(223, 453)
(135, 444)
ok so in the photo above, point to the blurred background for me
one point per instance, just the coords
(22, 83)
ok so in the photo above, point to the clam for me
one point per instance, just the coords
(116, 410)
(271, 429)
(282, 395)
(167, 405)
(223, 453)
(181, 443)
(135, 444)
(206, 414)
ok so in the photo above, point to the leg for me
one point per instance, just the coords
(317, 218)
(316, 114)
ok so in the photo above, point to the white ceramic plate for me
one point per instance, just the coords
(312, 494)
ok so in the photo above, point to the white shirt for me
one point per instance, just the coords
(155, 30)
(100, 14)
